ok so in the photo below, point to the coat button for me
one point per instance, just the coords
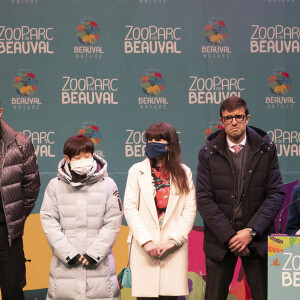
(250, 171)
(231, 196)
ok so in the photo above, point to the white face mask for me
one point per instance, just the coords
(82, 166)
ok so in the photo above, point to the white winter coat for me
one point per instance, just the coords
(167, 276)
(80, 218)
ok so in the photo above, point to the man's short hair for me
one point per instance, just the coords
(232, 103)
(76, 144)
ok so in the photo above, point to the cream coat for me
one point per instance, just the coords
(168, 275)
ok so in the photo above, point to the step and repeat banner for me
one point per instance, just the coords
(109, 69)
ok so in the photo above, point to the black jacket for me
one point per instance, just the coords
(293, 221)
(261, 198)
(19, 179)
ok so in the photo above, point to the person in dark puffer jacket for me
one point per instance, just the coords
(19, 187)
(239, 193)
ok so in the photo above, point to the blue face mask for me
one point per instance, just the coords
(154, 150)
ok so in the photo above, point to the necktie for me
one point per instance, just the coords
(237, 148)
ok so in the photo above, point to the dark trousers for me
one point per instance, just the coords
(219, 276)
(12, 268)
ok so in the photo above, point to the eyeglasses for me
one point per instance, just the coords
(238, 118)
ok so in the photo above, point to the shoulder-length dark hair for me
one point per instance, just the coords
(171, 161)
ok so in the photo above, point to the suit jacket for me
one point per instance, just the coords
(261, 198)
(150, 276)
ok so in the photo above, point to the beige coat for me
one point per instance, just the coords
(168, 275)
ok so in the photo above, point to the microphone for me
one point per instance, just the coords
(280, 217)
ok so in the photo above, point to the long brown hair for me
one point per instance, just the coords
(171, 161)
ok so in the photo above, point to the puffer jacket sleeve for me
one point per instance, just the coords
(31, 178)
(187, 218)
(50, 220)
(107, 235)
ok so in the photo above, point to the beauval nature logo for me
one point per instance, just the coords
(25, 84)
(92, 131)
(152, 83)
(279, 83)
(216, 32)
(88, 32)
(211, 129)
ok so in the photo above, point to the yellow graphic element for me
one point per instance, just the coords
(120, 249)
(274, 248)
(217, 38)
(89, 38)
(153, 89)
(281, 89)
(26, 90)
(126, 294)
(37, 250)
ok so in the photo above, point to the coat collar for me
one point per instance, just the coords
(98, 171)
(255, 138)
(145, 181)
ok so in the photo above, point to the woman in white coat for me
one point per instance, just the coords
(160, 209)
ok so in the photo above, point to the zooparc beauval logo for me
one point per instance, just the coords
(287, 142)
(280, 85)
(89, 90)
(152, 39)
(135, 144)
(42, 141)
(91, 130)
(25, 40)
(88, 34)
(152, 85)
(213, 90)
(275, 39)
(212, 128)
(216, 35)
(25, 84)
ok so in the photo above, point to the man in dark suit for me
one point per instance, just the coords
(239, 193)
